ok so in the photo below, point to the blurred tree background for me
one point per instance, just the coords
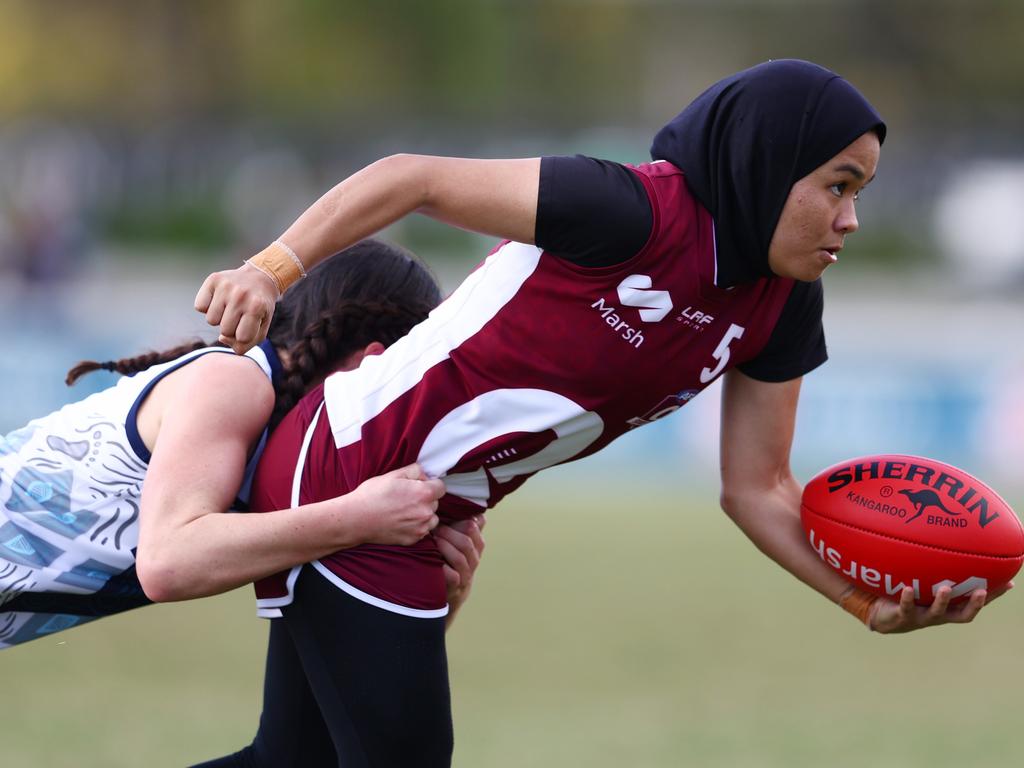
(165, 121)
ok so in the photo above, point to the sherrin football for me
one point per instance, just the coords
(887, 522)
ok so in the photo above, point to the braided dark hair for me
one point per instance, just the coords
(372, 291)
(126, 366)
(333, 337)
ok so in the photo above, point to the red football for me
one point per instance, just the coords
(890, 521)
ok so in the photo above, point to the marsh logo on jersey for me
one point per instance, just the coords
(636, 291)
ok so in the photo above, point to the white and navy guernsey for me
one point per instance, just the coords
(70, 485)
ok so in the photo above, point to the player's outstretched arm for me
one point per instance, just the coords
(762, 497)
(495, 197)
(213, 411)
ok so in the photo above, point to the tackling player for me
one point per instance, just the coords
(115, 501)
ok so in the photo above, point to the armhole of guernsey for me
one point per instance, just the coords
(656, 213)
(263, 355)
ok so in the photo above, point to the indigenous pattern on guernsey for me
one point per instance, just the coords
(533, 361)
(70, 484)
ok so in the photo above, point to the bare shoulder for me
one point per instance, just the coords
(228, 390)
(230, 382)
(221, 394)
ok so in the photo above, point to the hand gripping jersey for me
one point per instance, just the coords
(70, 485)
(532, 362)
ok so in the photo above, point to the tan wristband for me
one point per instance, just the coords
(279, 262)
(858, 603)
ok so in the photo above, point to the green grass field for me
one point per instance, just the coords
(605, 630)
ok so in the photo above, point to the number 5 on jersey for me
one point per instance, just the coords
(721, 353)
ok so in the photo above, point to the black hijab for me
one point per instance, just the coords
(747, 139)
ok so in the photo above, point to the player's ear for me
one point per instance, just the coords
(352, 361)
(373, 348)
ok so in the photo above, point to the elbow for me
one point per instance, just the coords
(413, 173)
(160, 580)
(739, 500)
(731, 502)
(745, 502)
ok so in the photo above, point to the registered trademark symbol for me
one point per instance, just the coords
(886, 491)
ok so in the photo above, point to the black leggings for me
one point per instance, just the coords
(350, 685)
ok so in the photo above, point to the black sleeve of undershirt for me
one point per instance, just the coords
(797, 343)
(592, 212)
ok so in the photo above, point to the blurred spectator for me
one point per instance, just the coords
(45, 206)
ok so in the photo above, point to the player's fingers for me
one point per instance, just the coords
(937, 610)
(906, 603)
(453, 555)
(229, 322)
(205, 294)
(480, 520)
(215, 311)
(452, 579)
(468, 524)
(462, 526)
(432, 523)
(470, 532)
(436, 488)
(972, 607)
(409, 472)
(476, 536)
(464, 542)
(248, 330)
(231, 341)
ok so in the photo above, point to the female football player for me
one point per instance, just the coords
(82, 537)
(618, 294)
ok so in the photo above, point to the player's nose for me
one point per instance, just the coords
(846, 220)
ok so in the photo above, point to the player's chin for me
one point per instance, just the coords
(806, 270)
(810, 272)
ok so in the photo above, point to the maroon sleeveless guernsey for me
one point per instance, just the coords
(533, 361)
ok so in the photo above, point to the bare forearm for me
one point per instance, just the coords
(189, 547)
(771, 520)
(217, 552)
(495, 197)
(364, 203)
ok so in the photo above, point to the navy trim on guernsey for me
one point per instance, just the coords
(121, 593)
(595, 213)
(132, 424)
(276, 369)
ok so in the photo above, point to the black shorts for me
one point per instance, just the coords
(348, 684)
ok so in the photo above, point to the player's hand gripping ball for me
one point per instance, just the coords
(888, 522)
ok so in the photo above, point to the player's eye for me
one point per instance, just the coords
(840, 189)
